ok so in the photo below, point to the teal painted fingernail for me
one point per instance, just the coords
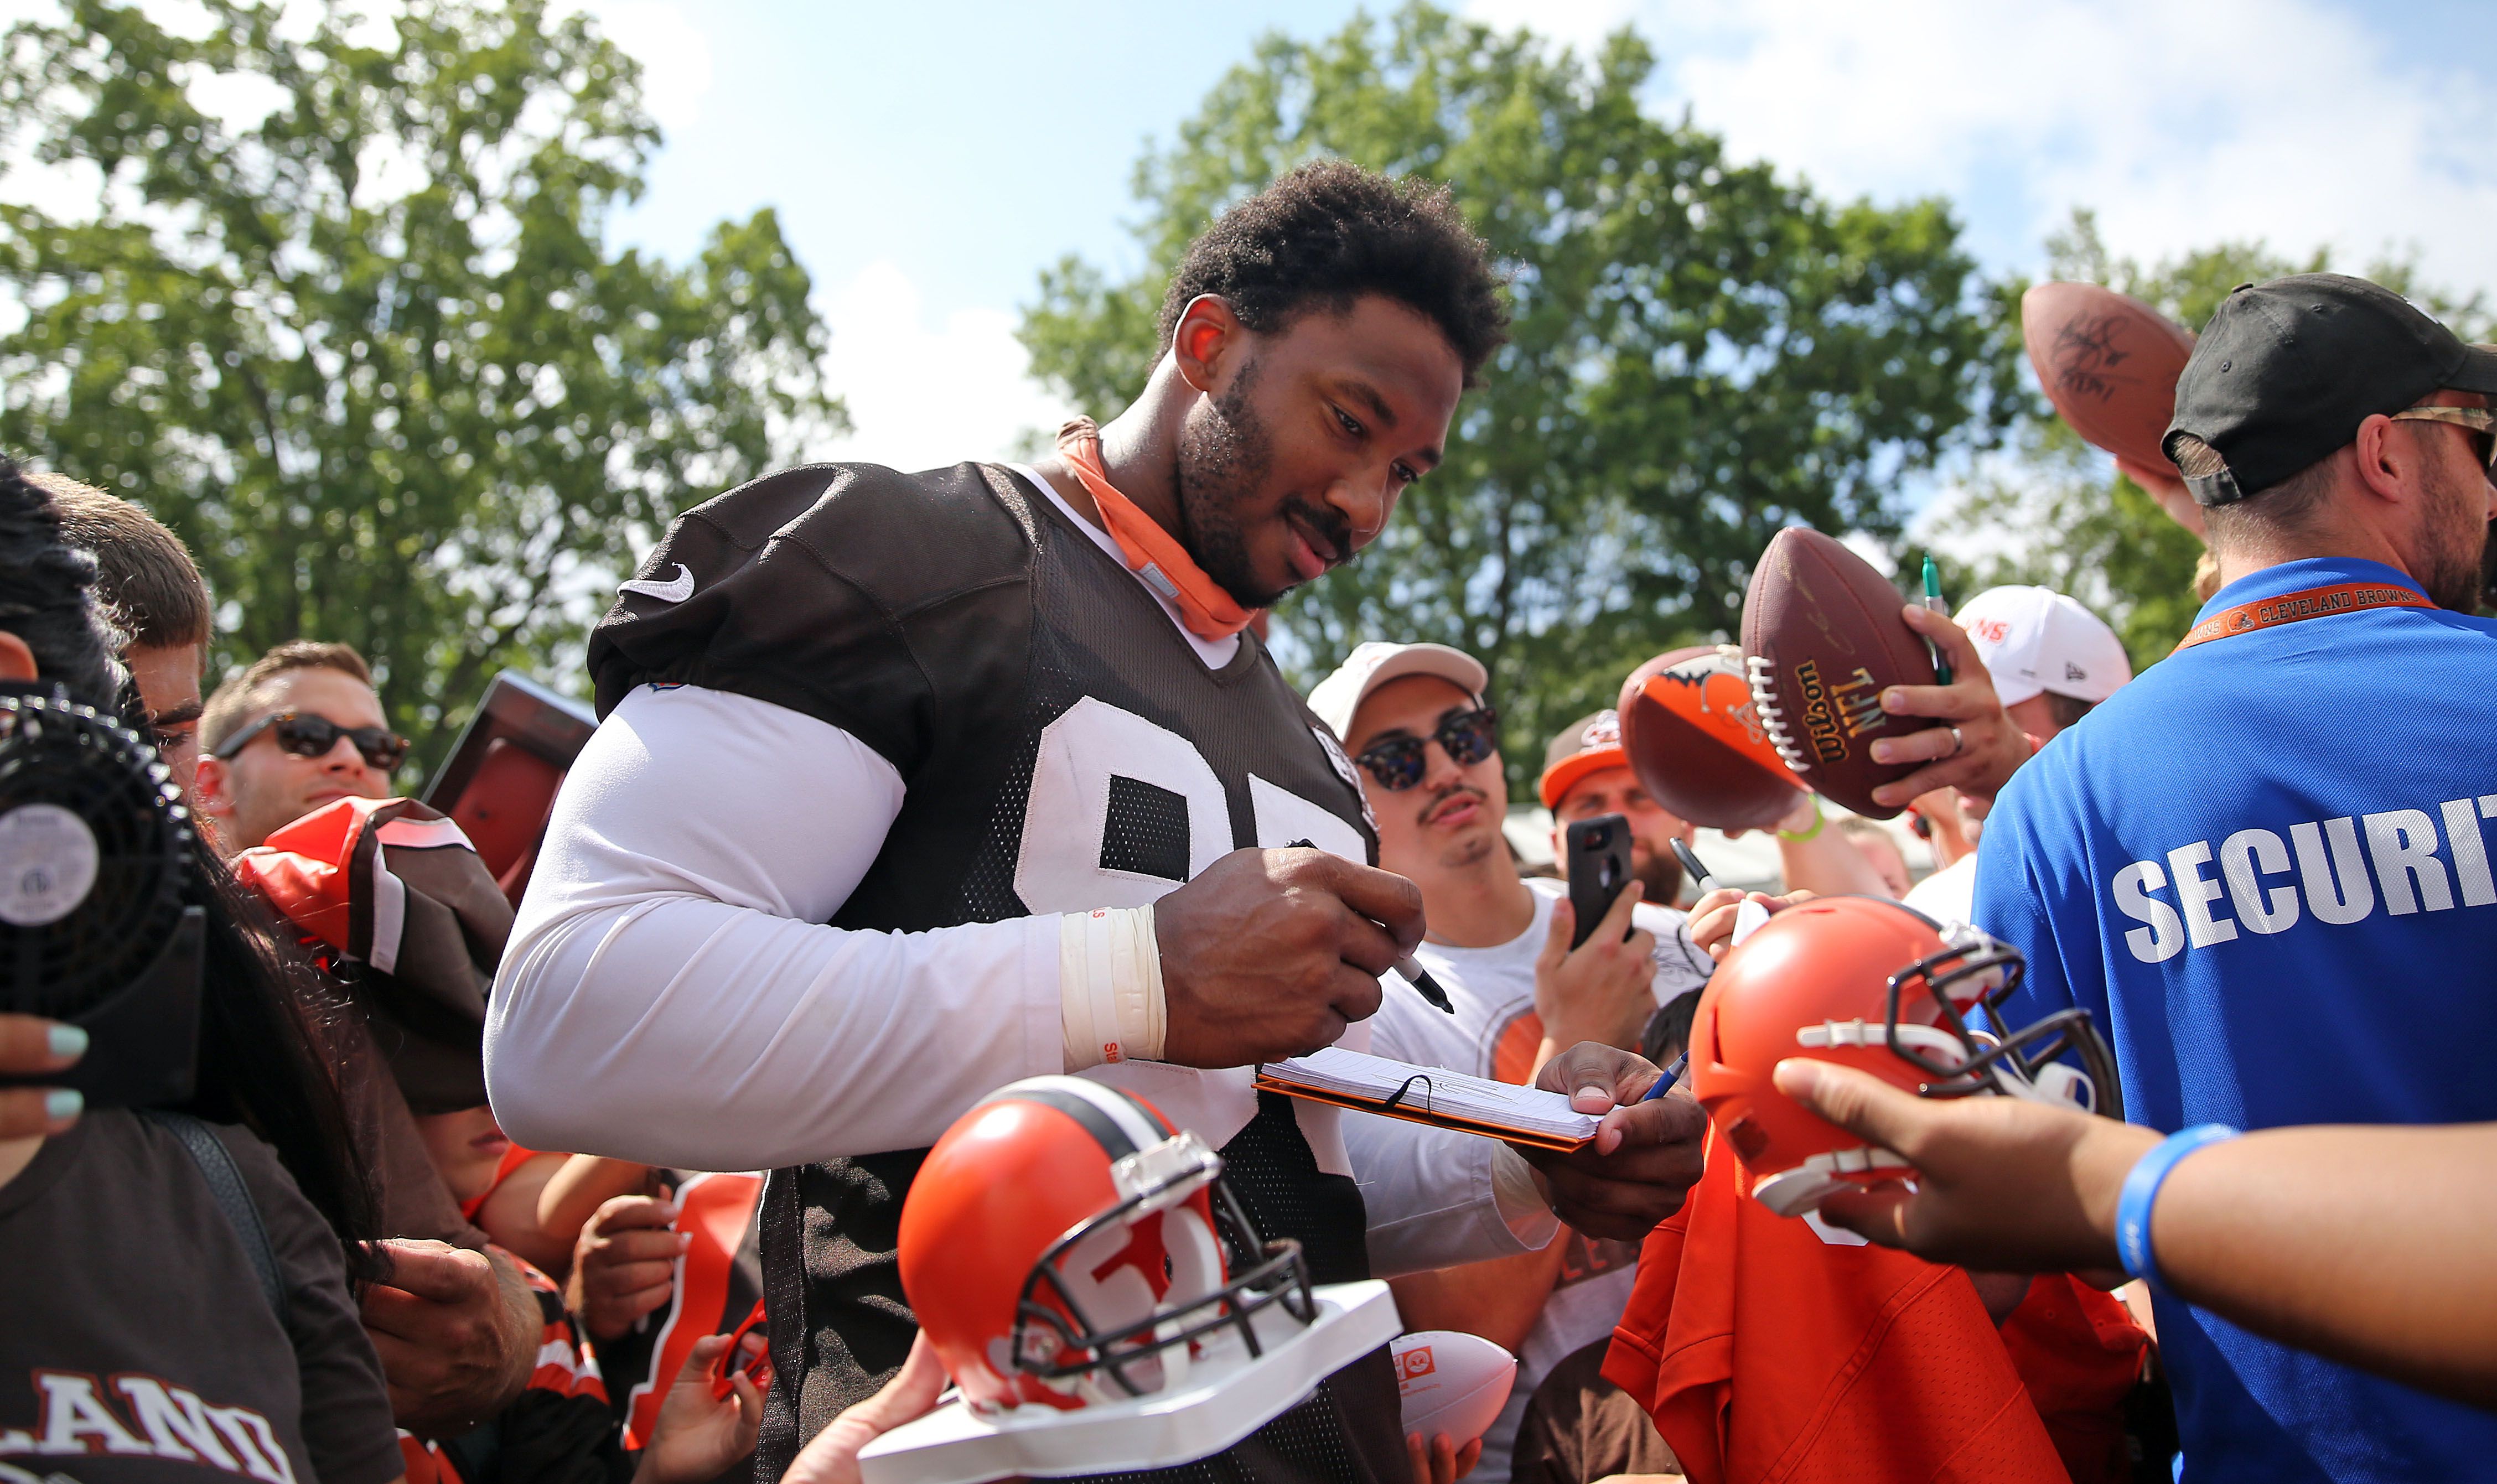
(62, 1104)
(67, 1042)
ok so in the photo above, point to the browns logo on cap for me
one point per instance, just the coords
(1588, 744)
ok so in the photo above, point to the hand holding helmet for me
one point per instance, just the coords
(1875, 985)
(1999, 1182)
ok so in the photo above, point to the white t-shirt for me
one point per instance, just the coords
(1949, 895)
(1496, 1033)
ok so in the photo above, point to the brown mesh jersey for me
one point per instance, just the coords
(1063, 747)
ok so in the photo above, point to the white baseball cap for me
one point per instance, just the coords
(2034, 639)
(1376, 663)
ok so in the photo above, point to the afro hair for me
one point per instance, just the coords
(1329, 232)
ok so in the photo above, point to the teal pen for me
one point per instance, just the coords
(1933, 603)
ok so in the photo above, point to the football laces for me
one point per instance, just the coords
(1764, 677)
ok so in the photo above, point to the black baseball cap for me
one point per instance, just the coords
(2287, 370)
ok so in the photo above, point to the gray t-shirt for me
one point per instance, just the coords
(136, 1344)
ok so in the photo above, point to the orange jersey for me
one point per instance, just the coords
(1771, 1356)
(513, 1158)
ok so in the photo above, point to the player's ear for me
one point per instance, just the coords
(1208, 333)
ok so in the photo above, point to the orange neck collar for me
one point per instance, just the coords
(1152, 554)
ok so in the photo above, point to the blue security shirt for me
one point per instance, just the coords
(2264, 867)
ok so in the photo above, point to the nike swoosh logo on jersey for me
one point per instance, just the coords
(675, 589)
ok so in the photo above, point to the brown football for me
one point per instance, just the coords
(2109, 364)
(1695, 741)
(1821, 638)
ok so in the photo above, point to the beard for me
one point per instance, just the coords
(1660, 876)
(2488, 570)
(1224, 455)
(2456, 562)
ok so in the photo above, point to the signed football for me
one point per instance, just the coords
(1821, 638)
(1452, 1382)
(1696, 742)
(2109, 364)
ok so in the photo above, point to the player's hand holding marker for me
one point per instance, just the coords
(1270, 954)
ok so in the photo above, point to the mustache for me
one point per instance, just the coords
(1326, 521)
(1439, 801)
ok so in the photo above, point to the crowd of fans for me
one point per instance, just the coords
(449, 1305)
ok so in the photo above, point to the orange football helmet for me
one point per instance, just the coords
(1871, 984)
(1064, 1246)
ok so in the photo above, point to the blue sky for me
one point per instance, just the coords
(928, 159)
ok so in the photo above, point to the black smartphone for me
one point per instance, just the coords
(1599, 866)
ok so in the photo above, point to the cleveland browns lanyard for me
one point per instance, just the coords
(2293, 607)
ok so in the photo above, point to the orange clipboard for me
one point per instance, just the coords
(1416, 1109)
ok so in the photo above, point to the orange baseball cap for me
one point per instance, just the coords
(1589, 744)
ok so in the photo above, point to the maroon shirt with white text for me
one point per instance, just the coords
(136, 1344)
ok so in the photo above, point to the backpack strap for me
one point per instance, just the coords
(217, 1167)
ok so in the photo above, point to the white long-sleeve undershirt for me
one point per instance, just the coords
(668, 995)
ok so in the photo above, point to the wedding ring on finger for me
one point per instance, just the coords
(1957, 743)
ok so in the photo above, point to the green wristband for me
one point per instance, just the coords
(1818, 820)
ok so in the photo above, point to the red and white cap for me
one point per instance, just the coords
(1374, 664)
(2034, 639)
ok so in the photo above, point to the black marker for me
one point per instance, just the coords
(1699, 875)
(1420, 979)
(1747, 916)
(1414, 973)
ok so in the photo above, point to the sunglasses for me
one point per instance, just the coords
(2477, 421)
(308, 735)
(1467, 737)
(757, 1367)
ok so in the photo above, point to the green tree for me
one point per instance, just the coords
(370, 353)
(2055, 517)
(1703, 351)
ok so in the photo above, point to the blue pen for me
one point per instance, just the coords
(1672, 1075)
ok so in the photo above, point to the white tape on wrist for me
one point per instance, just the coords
(1110, 986)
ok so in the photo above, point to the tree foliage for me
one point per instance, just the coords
(369, 349)
(1703, 351)
(2054, 515)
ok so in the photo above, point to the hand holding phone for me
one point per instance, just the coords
(1599, 866)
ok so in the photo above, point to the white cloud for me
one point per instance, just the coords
(923, 395)
(673, 53)
(2182, 124)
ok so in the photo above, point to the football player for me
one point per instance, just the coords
(911, 785)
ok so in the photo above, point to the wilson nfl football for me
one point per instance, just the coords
(1821, 638)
